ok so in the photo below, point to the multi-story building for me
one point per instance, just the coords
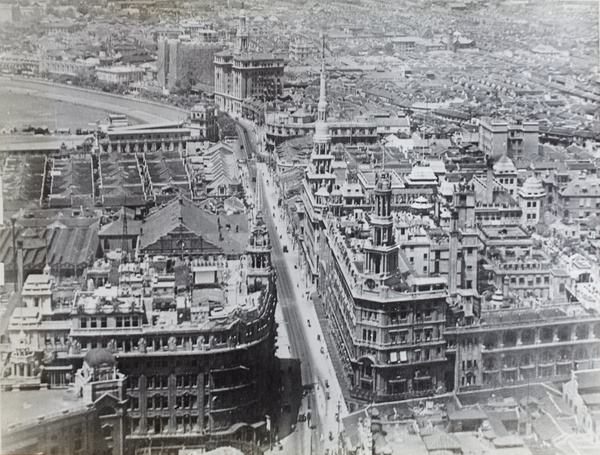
(580, 393)
(146, 138)
(243, 74)
(203, 123)
(318, 185)
(387, 317)
(182, 62)
(282, 126)
(495, 203)
(301, 50)
(513, 345)
(517, 140)
(120, 74)
(580, 198)
(195, 349)
(531, 200)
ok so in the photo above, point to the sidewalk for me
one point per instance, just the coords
(336, 360)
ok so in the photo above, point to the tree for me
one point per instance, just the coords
(82, 9)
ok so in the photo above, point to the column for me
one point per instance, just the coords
(142, 384)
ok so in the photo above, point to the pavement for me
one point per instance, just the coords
(300, 338)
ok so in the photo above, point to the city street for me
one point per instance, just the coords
(299, 335)
(304, 334)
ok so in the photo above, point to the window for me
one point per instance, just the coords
(93, 323)
(83, 323)
(103, 322)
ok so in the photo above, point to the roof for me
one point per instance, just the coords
(504, 166)
(73, 246)
(587, 380)
(532, 187)
(441, 441)
(466, 414)
(588, 186)
(545, 428)
(28, 405)
(182, 213)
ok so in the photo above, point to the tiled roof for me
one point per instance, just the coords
(181, 212)
(441, 441)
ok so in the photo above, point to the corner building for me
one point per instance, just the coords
(388, 322)
(196, 361)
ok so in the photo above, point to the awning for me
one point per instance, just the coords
(393, 357)
(403, 356)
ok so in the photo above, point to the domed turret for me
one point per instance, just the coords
(99, 356)
(532, 187)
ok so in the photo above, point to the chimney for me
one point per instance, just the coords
(489, 195)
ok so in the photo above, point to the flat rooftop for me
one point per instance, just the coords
(27, 405)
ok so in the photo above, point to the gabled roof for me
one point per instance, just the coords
(180, 213)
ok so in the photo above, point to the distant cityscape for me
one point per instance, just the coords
(347, 227)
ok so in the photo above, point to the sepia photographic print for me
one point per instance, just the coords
(299, 227)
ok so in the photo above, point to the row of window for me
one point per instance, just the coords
(102, 322)
(418, 355)
(530, 282)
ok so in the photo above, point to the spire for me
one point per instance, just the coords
(321, 127)
(322, 107)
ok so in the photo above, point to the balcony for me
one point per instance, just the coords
(493, 370)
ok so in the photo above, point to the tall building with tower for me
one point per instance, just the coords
(241, 74)
(184, 61)
(318, 183)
